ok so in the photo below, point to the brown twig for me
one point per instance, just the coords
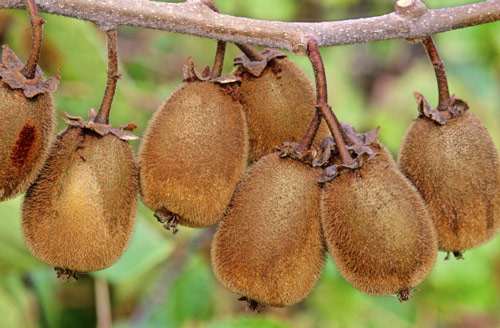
(29, 69)
(113, 76)
(322, 102)
(194, 17)
(442, 81)
(102, 303)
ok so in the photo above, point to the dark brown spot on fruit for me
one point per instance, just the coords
(24, 144)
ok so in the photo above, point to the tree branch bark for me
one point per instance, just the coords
(193, 17)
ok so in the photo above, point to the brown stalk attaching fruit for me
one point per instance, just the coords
(194, 150)
(79, 214)
(448, 154)
(26, 114)
(269, 246)
(278, 99)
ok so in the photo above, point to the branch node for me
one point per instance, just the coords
(300, 49)
(410, 8)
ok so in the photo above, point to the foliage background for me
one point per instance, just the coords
(166, 281)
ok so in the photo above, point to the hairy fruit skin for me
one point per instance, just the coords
(377, 228)
(269, 247)
(80, 212)
(279, 105)
(26, 129)
(194, 153)
(456, 169)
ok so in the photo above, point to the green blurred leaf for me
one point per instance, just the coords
(14, 254)
(250, 322)
(190, 298)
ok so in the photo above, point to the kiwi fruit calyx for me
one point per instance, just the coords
(326, 155)
(256, 67)
(10, 74)
(191, 74)
(100, 128)
(456, 107)
(168, 219)
(66, 274)
(252, 305)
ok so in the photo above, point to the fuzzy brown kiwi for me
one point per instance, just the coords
(269, 247)
(79, 214)
(377, 228)
(456, 169)
(194, 153)
(279, 105)
(26, 129)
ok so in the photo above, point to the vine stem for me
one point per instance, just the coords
(442, 81)
(195, 18)
(29, 69)
(113, 76)
(322, 102)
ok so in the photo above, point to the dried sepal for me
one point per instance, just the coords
(358, 145)
(256, 67)
(293, 151)
(99, 128)
(10, 73)
(456, 108)
(191, 74)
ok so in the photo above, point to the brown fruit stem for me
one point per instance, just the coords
(29, 68)
(221, 46)
(336, 129)
(249, 52)
(307, 140)
(113, 76)
(219, 59)
(442, 81)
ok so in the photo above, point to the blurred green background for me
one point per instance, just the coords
(166, 281)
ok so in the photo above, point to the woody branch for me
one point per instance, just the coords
(410, 20)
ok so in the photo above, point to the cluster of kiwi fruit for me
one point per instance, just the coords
(204, 136)
(82, 186)
(383, 223)
(209, 155)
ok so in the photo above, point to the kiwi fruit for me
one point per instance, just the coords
(26, 132)
(79, 214)
(27, 121)
(455, 167)
(377, 228)
(279, 104)
(193, 154)
(269, 246)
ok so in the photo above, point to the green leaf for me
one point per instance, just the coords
(190, 299)
(250, 322)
